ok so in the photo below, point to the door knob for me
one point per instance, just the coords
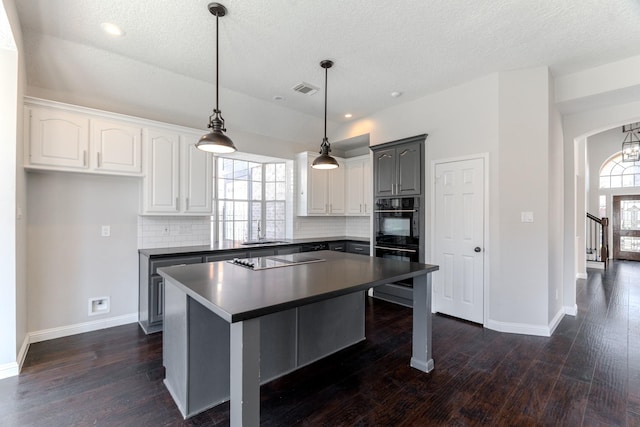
(477, 249)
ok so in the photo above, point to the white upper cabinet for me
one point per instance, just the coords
(196, 177)
(161, 184)
(116, 147)
(178, 177)
(320, 191)
(358, 180)
(57, 138)
(67, 140)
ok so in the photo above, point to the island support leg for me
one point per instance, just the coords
(245, 373)
(421, 353)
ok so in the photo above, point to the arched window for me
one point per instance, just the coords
(615, 173)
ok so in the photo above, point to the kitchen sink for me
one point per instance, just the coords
(263, 242)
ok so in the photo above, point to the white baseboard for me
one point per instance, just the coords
(13, 368)
(518, 328)
(22, 354)
(595, 264)
(556, 320)
(571, 311)
(525, 329)
(95, 325)
(9, 370)
(581, 275)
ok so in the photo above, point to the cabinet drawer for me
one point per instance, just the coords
(358, 248)
(338, 246)
(168, 262)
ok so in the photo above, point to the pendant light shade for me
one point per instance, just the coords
(216, 141)
(325, 161)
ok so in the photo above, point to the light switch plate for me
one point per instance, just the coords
(526, 216)
(106, 231)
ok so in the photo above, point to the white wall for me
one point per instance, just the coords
(69, 262)
(519, 289)
(507, 116)
(556, 211)
(13, 303)
(8, 285)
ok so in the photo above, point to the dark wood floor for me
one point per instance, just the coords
(588, 374)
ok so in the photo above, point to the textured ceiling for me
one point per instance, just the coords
(412, 46)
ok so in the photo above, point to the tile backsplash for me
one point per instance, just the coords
(174, 231)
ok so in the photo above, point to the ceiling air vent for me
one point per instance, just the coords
(305, 88)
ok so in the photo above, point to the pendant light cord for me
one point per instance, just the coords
(325, 103)
(217, 38)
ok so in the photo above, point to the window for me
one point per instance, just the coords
(615, 173)
(251, 200)
(602, 208)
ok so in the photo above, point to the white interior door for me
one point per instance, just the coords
(459, 239)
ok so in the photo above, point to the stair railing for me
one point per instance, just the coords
(597, 240)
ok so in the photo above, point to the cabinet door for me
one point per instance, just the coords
(161, 182)
(355, 185)
(367, 198)
(385, 172)
(335, 190)
(58, 138)
(318, 202)
(156, 300)
(197, 178)
(409, 161)
(116, 147)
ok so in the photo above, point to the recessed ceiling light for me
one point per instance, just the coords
(112, 29)
(396, 94)
(348, 115)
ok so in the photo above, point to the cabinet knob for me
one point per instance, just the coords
(477, 249)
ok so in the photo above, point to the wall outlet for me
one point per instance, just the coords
(99, 305)
(106, 231)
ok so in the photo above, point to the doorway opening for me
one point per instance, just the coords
(626, 227)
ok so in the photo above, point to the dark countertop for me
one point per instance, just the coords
(236, 293)
(230, 246)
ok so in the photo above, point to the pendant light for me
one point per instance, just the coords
(216, 141)
(630, 145)
(325, 161)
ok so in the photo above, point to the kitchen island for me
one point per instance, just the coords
(229, 328)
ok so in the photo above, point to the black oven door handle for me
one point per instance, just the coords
(396, 249)
(395, 210)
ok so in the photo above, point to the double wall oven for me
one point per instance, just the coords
(399, 230)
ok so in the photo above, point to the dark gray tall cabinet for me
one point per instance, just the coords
(398, 168)
(398, 171)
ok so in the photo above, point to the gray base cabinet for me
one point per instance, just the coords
(151, 289)
(151, 285)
